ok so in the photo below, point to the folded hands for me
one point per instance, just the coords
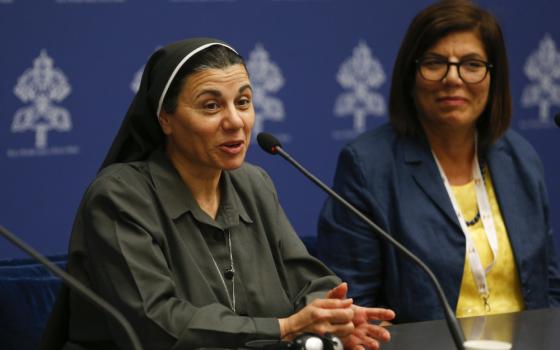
(339, 316)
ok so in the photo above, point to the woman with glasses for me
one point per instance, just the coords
(448, 179)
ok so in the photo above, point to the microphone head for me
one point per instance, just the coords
(557, 119)
(268, 142)
(308, 341)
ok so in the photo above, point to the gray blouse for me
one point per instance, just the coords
(141, 241)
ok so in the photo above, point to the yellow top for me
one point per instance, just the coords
(502, 280)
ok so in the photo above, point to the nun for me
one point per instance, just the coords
(187, 240)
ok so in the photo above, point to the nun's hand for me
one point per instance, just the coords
(321, 316)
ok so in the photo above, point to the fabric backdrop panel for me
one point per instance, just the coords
(69, 69)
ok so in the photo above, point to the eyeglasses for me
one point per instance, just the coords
(471, 71)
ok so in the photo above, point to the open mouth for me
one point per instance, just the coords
(233, 144)
(233, 147)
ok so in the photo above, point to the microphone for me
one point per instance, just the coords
(75, 285)
(271, 145)
(305, 341)
(557, 119)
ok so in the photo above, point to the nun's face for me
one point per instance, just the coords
(211, 128)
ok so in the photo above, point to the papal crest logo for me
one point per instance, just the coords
(135, 83)
(543, 69)
(359, 75)
(266, 78)
(42, 86)
(137, 78)
(89, 1)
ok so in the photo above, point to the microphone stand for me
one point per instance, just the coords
(453, 324)
(77, 286)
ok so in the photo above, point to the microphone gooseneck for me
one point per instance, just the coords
(76, 285)
(456, 332)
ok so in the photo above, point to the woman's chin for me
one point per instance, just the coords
(233, 164)
(452, 122)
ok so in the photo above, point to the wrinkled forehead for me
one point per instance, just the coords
(231, 81)
(181, 57)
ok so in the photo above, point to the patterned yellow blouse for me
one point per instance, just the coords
(503, 281)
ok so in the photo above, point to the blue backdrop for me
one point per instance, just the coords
(320, 68)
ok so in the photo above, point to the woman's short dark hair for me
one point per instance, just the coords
(216, 56)
(429, 26)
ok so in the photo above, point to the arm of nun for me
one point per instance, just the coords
(130, 270)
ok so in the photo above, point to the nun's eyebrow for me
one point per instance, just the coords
(244, 87)
(217, 93)
(214, 93)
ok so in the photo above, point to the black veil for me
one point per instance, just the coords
(140, 132)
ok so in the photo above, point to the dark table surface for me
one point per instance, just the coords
(527, 330)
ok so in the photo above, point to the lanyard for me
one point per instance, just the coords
(478, 271)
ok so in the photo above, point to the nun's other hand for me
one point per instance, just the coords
(365, 334)
(321, 316)
(338, 292)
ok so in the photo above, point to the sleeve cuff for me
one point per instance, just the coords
(267, 327)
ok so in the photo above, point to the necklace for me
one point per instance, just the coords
(476, 218)
(229, 273)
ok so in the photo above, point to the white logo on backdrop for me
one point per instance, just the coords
(359, 74)
(266, 78)
(137, 79)
(135, 83)
(41, 86)
(543, 69)
(199, 1)
(89, 1)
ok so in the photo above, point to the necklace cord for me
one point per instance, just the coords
(229, 273)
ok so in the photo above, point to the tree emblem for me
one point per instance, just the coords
(543, 68)
(360, 74)
(136, 79)
(41, 85)
(266, 78)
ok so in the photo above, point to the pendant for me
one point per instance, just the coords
(228, 274)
